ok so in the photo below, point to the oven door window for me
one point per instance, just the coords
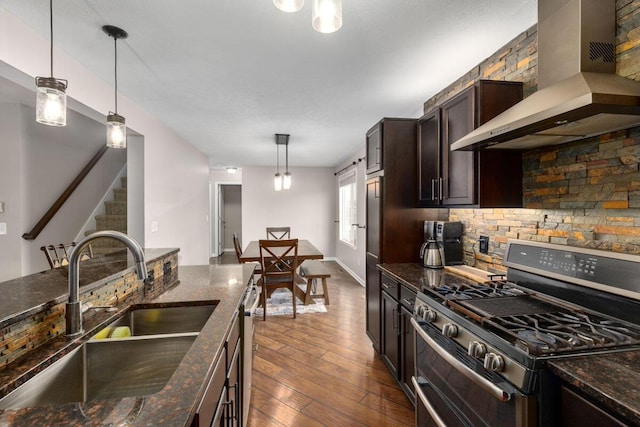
(454, 395)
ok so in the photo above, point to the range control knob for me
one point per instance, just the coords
(494, 362)
(477, 349)
(429, 315)
(449, 330)
(420, 310)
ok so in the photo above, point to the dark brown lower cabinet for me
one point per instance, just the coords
(578, 411)
(221, 404)
(397, 334)
(407, 361)
(390, 332)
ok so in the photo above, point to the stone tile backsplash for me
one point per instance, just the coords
(27, 334)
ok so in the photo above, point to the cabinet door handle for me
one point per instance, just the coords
(442, 189)
(433, 189)
(395, 318)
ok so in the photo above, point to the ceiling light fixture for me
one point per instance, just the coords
(232, 170)
(289, 5)
(51, 98)
(116, 128)
(326, 15)
(285, 180)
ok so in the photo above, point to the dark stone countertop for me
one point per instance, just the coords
(30, 294)
(177, 402)
(612, 380)
(417, 277)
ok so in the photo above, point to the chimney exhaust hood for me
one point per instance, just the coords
(579, 95)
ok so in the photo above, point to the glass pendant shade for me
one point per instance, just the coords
(116, 131)
(277, 182)
(326, 16)
(51, 101)
(286, 181)
(289, 5)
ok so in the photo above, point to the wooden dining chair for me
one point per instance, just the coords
(278, 233)
(58, 255)
(238, 248)
(236, 245)
(278, 260)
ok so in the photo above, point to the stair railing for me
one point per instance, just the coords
(55, 207)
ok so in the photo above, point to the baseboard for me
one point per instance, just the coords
(348, 270)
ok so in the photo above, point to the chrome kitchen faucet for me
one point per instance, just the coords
(73, 312)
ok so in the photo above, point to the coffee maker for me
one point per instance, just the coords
(448, 235)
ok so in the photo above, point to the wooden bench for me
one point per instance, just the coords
(312, 270)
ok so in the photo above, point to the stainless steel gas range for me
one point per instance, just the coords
(482, 348)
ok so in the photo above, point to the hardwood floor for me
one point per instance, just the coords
(321, 370)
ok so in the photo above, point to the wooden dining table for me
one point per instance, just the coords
(305, 251)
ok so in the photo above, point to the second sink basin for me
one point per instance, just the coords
(165, 319)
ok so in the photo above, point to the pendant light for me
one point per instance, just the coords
(289, 5)
(51, 98)
(116, 128)
(283, 181)
(277, 179)
(326, 15)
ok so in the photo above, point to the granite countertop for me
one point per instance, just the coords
(27, 295)
(417, 277)
(611, 379)
(176, 403)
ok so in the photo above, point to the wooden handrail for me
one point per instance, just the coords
(55, 207)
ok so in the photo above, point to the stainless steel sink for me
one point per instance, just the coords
(165, 320)
(104, 369)
(135, 366)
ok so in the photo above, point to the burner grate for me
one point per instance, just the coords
(562, 331)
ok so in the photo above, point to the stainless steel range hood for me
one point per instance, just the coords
(579, 95)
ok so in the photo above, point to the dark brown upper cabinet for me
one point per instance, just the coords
(489, 178)
(374, 149)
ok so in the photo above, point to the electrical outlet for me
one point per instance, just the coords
(484, 244)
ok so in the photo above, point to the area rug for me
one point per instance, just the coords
(280, 305)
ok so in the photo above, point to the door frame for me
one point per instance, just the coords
(214, 234)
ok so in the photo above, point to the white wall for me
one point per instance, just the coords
(10, 190)
(353, 259)
(176, 174)
(309, 207)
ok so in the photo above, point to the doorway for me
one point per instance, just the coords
(229, 217)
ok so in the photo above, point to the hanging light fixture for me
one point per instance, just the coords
(283, 182)
(277, 179)
(116, 128)
(51, 98)
(326, 15)
(289, 5)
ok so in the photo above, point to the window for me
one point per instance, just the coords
(348, 208)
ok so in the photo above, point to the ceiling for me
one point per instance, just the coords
(227, 75)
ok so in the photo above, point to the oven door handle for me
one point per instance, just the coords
(493, 389)
(430, 409)
(252, 292)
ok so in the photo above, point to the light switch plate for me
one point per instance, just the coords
(3, 228)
